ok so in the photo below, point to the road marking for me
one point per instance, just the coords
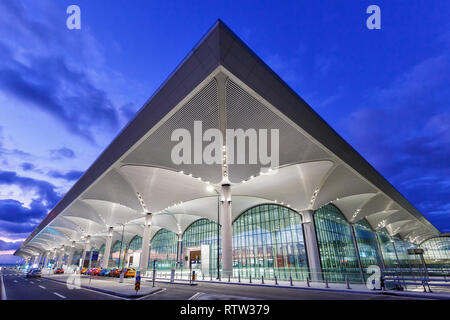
(195, 296)
(59, 295)
(15, 281)
(42, 287)
(31, 282)
(150, 294)
(3, 288)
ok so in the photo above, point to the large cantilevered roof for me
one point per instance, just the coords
(222, 82)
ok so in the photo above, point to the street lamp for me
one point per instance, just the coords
(210, 188)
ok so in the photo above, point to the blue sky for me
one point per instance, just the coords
(65, 94)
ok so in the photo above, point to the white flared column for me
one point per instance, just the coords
(61, 257)
(87, 247)
(143, 262)
(226, 219)
(312, 246)
(44, 259)
(71, 252)
(108, 244)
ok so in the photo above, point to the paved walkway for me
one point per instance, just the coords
(106, 285)
(333, 287)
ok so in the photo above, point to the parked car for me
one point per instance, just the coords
(34, 272)
(59, 271)
(83, 270)
(129, 273)
(114, 273)
(104, 272)
(95, 271)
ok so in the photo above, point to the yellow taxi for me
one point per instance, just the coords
(128, 272)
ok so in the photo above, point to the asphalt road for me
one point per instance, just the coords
(17, 287)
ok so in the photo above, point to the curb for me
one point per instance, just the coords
(271, 286)
(417, 295)
(114, 293)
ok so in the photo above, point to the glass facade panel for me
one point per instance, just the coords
(203, 232)
(133, 251)
(163, 248)
(268, 241)
(337, 251)
(437, 252)
(405, 260)
(366, 240)
(387, 249)
(76, 257)
(101, 252)
(117, 253)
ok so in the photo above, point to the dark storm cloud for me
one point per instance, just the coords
(69, 176)
(47, 77)
(62, 153)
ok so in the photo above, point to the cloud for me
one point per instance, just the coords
(27, 166)
(17, 220)
(37, 71)
(69, 176)
(62, 153)
(9, 245)
(404, 131)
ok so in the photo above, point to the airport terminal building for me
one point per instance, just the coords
(323, 211)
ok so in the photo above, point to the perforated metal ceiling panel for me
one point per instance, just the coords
(156, 149)
(246, 112)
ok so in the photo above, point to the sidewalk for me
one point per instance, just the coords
(107, 285)
(320, 286)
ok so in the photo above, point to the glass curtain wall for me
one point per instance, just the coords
(268, 241)
(337, 251)
(387, 249)
(437, 253)
(366, 239)
(76, 257)
(117, 251)
(134, 251)
(402, 252)
(163, 249)
(203, 232)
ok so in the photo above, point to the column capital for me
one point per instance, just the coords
(307, 215)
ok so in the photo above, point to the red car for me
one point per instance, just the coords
(59, 271)
(114, 273)
(93, 271)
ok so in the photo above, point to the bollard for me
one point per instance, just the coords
(262, 279)
(229, 278)
(290, 280)
(210, 277)
(326, 283)
(250, 279)
(347, 282)
(203, 276)
(239, 277)
(307, 282)
(276, 280)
